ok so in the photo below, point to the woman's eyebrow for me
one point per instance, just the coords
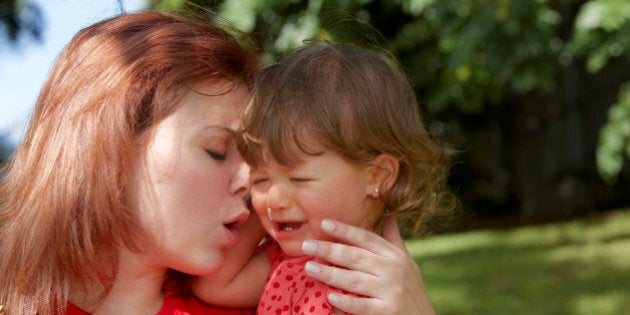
(228, 130)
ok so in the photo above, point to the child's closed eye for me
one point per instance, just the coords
(300, 179)
(259, 180)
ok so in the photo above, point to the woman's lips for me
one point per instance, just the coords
(231, 227)
(232, 235)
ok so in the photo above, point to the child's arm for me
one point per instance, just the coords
(241, 281)
(242, 290)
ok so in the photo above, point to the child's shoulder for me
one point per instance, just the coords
(290, 289)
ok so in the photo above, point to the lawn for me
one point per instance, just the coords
(579, 267)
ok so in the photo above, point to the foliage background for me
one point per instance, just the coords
(530, 96)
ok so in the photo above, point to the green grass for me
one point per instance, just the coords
(579, 267)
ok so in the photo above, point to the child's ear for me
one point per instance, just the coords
(383, 173)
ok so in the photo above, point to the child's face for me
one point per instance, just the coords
(292, 202)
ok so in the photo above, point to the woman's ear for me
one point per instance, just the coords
(383, 173)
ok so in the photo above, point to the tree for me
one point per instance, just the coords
(602, 34)
(20, 19)
(5, 149)
(518, 87)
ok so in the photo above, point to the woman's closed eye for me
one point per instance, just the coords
(216, 155)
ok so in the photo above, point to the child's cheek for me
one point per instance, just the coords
(261, 211)
(318, 233)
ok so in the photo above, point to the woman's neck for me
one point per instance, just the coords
(137, 289)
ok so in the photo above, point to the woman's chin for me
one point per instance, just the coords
(207, 267)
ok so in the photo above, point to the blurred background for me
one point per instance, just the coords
(532, 97)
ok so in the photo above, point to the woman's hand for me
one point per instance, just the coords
(379, 268)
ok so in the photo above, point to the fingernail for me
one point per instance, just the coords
(312, 268)
(309, 246)
(334, 298)
(328, 225)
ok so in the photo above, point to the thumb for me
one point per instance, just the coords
(391, 232)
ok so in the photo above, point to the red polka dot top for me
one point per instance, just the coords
(289, 290)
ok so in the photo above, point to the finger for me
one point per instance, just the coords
(348, 280)
(350, 257)
(391, 232)
(356, 236)
(354, 305)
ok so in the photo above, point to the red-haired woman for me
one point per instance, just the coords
(128, 172)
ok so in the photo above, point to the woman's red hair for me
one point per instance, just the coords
(62, 206)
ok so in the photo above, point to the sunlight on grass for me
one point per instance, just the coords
(579, 267)
(598, 304)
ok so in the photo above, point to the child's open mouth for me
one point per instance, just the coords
(288, 226)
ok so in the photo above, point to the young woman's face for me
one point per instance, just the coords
(292, 201)
(189, 182)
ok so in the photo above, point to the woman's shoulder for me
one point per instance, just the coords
(179, 305)
(72, 309)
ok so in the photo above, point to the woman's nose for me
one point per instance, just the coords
(240, 182)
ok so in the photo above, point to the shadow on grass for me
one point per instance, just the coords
(528, 273)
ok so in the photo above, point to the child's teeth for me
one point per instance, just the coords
(290, 226)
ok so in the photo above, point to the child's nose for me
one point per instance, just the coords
(278, 198)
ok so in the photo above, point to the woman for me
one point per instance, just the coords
(128, 171)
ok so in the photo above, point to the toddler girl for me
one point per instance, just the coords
(332, 131)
